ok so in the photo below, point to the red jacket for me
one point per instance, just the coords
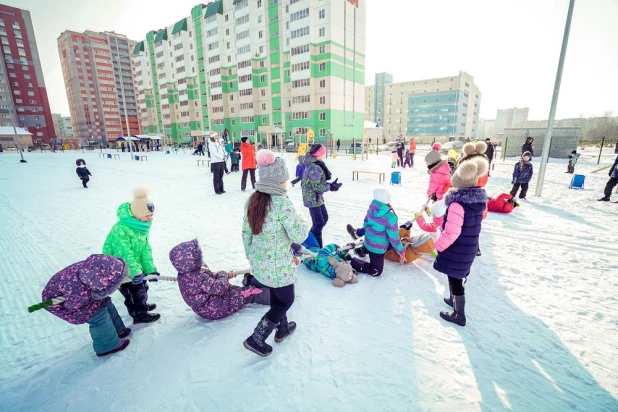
(412, 145)
(501, 204)
(248, 156)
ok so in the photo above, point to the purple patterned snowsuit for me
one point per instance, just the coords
(209, 295)
(86, 287)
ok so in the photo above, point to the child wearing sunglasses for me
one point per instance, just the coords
(128, 240)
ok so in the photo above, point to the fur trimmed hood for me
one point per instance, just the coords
(466, 195)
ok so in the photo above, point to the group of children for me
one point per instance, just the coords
(271, 225)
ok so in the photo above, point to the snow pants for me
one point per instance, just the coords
(524, 190)
(135, 297)
(218, 168)
(319, 219)
(85, 182)
(243, 180)
(611, 183)
(105, 325)
(374, 267)
(281, 300)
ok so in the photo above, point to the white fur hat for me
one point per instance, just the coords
(468, 172)
(438, 209)
(382, 195)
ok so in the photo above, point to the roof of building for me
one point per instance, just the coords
(139, 47)
(5, 130)
(161, 35)
(216, 7)
(180, 25)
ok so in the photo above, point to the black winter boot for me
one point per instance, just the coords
(284, 329)
(604, 199)
(256, 342)
(260, 298)
(151, 306)
(352, 231)
(246, 280)
(145, 317)
(458, 315)
(449, 300)
(125, 332)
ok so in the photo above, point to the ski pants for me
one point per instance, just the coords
(319, 218)
(135, 297)
(281, 300)
(524, 190)
(611, 183)
(243, 180)
(218, 169)
(374, 267)
(105, 325)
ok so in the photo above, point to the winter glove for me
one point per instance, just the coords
(154, 274)
(434, 197)
(334, 186)
(417, 215)
(137, 279)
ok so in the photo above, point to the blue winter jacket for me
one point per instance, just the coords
(613, 172)
(522, 175)
(456, 260)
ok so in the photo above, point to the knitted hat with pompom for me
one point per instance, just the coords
(272, 168)
(141, 206)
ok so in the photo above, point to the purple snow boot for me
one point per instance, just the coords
(284, 329)
(256, 343)
(458, 315)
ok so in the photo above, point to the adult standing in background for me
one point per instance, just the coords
(339, 144)
(412, 151)
(527, 147)
(249, 163)
(217, 162)
(489, 153)
(400, 150)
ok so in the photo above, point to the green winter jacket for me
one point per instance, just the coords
(269, 253)
(128, 240)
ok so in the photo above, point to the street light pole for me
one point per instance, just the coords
(554, 103)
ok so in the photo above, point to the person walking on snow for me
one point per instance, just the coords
(489, 152)
(85, 287)
(612, 182)
(217, 162)
(248, 162)
(459, 241)
(338, 144)
(128, 240)
(527, 147)
(83, 172)
(522, 174)
(412, 150)
(315, 184)
(270, 225)
(573, 157)
(210, 295)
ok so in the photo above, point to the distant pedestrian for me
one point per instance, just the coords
(573, 157)
(122, 146)
(489, 153)
(339, 144)
(527, 147)
(412, 150)
(83, 172)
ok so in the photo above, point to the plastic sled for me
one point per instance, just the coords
(396, 178)
(577, 182)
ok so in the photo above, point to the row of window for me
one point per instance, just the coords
(242, 20)
(301, 99)
(303, 31)
(300, 83)
(244, 78)
(244, 49)
(299, 49)
(296, 67)
(301, 14)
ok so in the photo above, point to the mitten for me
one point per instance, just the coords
(334, 186)
(137, 279)
(417, 215)
(154, 274)
(434, 197)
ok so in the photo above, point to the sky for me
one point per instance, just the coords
(511, 47)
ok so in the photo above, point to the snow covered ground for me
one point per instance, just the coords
(542, 301)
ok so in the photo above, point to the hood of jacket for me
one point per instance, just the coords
(124, 211)
(378, 209)
(466, 195)
(102, 274)
(187, 257)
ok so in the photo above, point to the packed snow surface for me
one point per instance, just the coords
(542, 300)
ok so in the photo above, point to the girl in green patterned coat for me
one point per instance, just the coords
(270, 225)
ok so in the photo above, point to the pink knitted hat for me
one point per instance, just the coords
(437, 146)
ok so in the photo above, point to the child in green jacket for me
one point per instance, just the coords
(128, 240)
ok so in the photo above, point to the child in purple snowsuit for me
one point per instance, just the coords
(300, 169)
(86, 287)
(210, 295)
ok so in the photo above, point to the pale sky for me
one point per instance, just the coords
(511, 47)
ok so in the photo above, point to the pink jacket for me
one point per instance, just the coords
(439, 179)
(452, 230)
(430, 227)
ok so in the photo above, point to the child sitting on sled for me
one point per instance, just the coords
(85, 287)
(331, 261)
(436, 211)
(209, 294)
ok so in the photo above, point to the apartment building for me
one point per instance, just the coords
(99, 79)
(62, 126)
(262, 65)
(23, 96)
(436, 108)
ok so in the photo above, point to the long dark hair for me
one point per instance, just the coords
(257, 209)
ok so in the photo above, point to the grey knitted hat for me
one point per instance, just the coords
(272, 168)
(432, 157)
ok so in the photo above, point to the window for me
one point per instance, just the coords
(300, 83)
(322, 14)
(178, 46)
(259, 3)
(242, 35)
(244, 78)
(322, 116)
(260, 35)
(242, 20)
(5, 40)
(323, 83)
(323, 32)
(7, 49)
(214, 45)
(322, 67)
(243, 64)
(226, 17)
(263, 92)
(303, 31)
(300, 115)
(259, 18)
(245, 92)
(244, 49)
(27, 77)
(263, 106)
(16, 25)
(211, 32)
(2, 22)
(322, 99)
(300, 49)
(246, 119)
(322, 132)
(262, 79)
(12, 75)
(299, 15)
(30, 93)
(17, 92)
(263, 120)
(301, 99)
(18, 101)
(215, 85)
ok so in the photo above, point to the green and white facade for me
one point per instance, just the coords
(256, 65)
